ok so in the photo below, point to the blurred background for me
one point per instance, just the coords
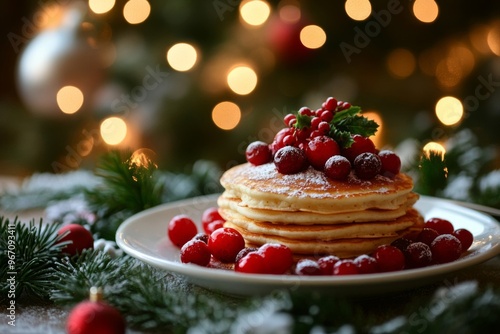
(195, 80)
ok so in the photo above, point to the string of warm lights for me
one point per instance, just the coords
(449, 63)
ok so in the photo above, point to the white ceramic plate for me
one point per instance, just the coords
(144, 236)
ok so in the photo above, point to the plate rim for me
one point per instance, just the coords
(194, 271)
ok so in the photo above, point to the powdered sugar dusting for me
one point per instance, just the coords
(311, 183)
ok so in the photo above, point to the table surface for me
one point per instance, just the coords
(39, 318)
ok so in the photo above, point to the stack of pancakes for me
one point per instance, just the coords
(314, 215)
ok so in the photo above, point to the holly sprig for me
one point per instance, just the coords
(349, 122)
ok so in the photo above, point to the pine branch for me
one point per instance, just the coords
(149, 298)
(433, 173)
(33, 250)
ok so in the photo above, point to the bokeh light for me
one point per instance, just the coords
(255, 12)
(182, 56)
(113, 130)
(434, 147)
(358, 10)
(449, 110)
(290, 13)
(425, 10)
(69, 99)
(242, 80)
(401, 63)
(226, 115)
(312, 36)
(101, 6)
(493, 38)
(136, 11)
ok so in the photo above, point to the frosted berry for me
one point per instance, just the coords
(258, 153)
(427, 235)
(244, 252)
(345, 267)
(446, 248)
(80, 238)
(391, 163)
(201, 236)
(366, 264)
(401, 243)
(181, 229)
(326, 264)
(320, 149)
(195, 251)
(442, 226)
(367, 165)
(418, 255)
(389, 258)
(252, 263)
(360, 145)
(225, 243)
(465, 236)
(290, 160)
(307, 267)
(278, 258)
(337, 167)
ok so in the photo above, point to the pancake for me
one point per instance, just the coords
(342, 247)
(309, 218)
(263, 187)
(315, 215)
(324, 232)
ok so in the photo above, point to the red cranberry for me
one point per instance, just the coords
(326, 264)
(181, 229)
(446, 248)
(307, 267)
(252, 263)
(289, 118)
(361, 145)
(195, 251)
(418, 255)
(258, 153)
(278, 258)
(367, 165)
(389, 258)
(427, 235)
(330, 104)
(345, 267)
(278, 141)
(465, 236)
(216, 224)
(320, 149)
(366, 264)
(391, 163)
(305, 111)
(225, 243)
(290, 160)
(337, 167)
(442, 226)
(210, 215)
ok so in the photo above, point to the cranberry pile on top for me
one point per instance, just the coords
(334, 139)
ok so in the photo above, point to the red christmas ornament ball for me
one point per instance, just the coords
(80, 238)
(95, 317)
